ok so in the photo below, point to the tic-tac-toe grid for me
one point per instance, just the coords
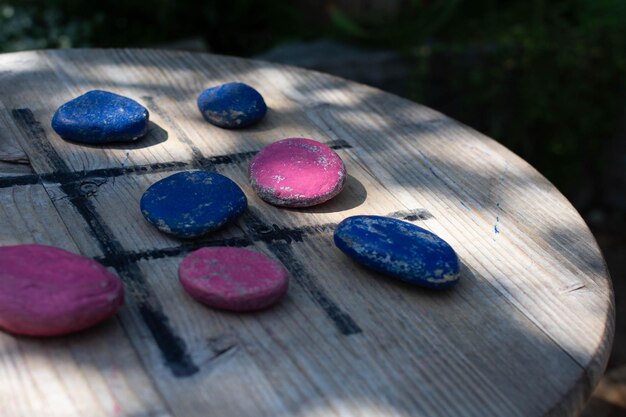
(524, 333)
(96, 195)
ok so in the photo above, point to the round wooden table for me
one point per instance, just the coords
(527, 332)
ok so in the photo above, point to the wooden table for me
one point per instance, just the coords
(527, 332)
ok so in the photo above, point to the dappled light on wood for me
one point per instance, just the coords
(526, 331)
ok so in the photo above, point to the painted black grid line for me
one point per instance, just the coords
(208, 163)
(17, 180)
(262, 233)
(172, 347)
(130, 257)
(278, 239)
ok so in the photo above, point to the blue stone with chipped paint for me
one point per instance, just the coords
(232, 105)
(99, 117)
(192, 203)
(400, 249)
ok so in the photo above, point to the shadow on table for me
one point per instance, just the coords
(472, 332)
(155, 136)
(353, 195)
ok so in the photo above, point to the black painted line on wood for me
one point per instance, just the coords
(130, 257)
(338, 144)
(172, 347)
(259, 232)
(25, 119)
(16, 180)
(265, 233)
(115, 172)
(239, 157)
(278, 240)
(234, 158)
(342, 320)
(280, 246)
(66, 175)
(203, 162)
(412, 215)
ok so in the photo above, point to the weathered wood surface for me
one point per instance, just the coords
(95, 373)
(527, 332)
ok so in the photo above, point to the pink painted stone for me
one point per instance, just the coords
(46, 291)
(297, 172)
(233, 278)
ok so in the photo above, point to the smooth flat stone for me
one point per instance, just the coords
(233, 278)
(297, 172)
(192, 203)
(100, 117)
(46, 291)
(399, 249)
(232, 105)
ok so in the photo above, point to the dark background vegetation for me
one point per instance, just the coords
(545, 78)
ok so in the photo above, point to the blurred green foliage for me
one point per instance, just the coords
(546, 78)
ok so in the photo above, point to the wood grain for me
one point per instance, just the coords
(94, 373)
(12, 157)
(526, 333)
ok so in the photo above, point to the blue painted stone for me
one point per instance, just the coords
(100, 117)
(399, 249)
(192, 203)
(232, 105)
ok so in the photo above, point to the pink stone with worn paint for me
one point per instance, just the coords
(297, 172)
(233, 278)
(47, 291)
